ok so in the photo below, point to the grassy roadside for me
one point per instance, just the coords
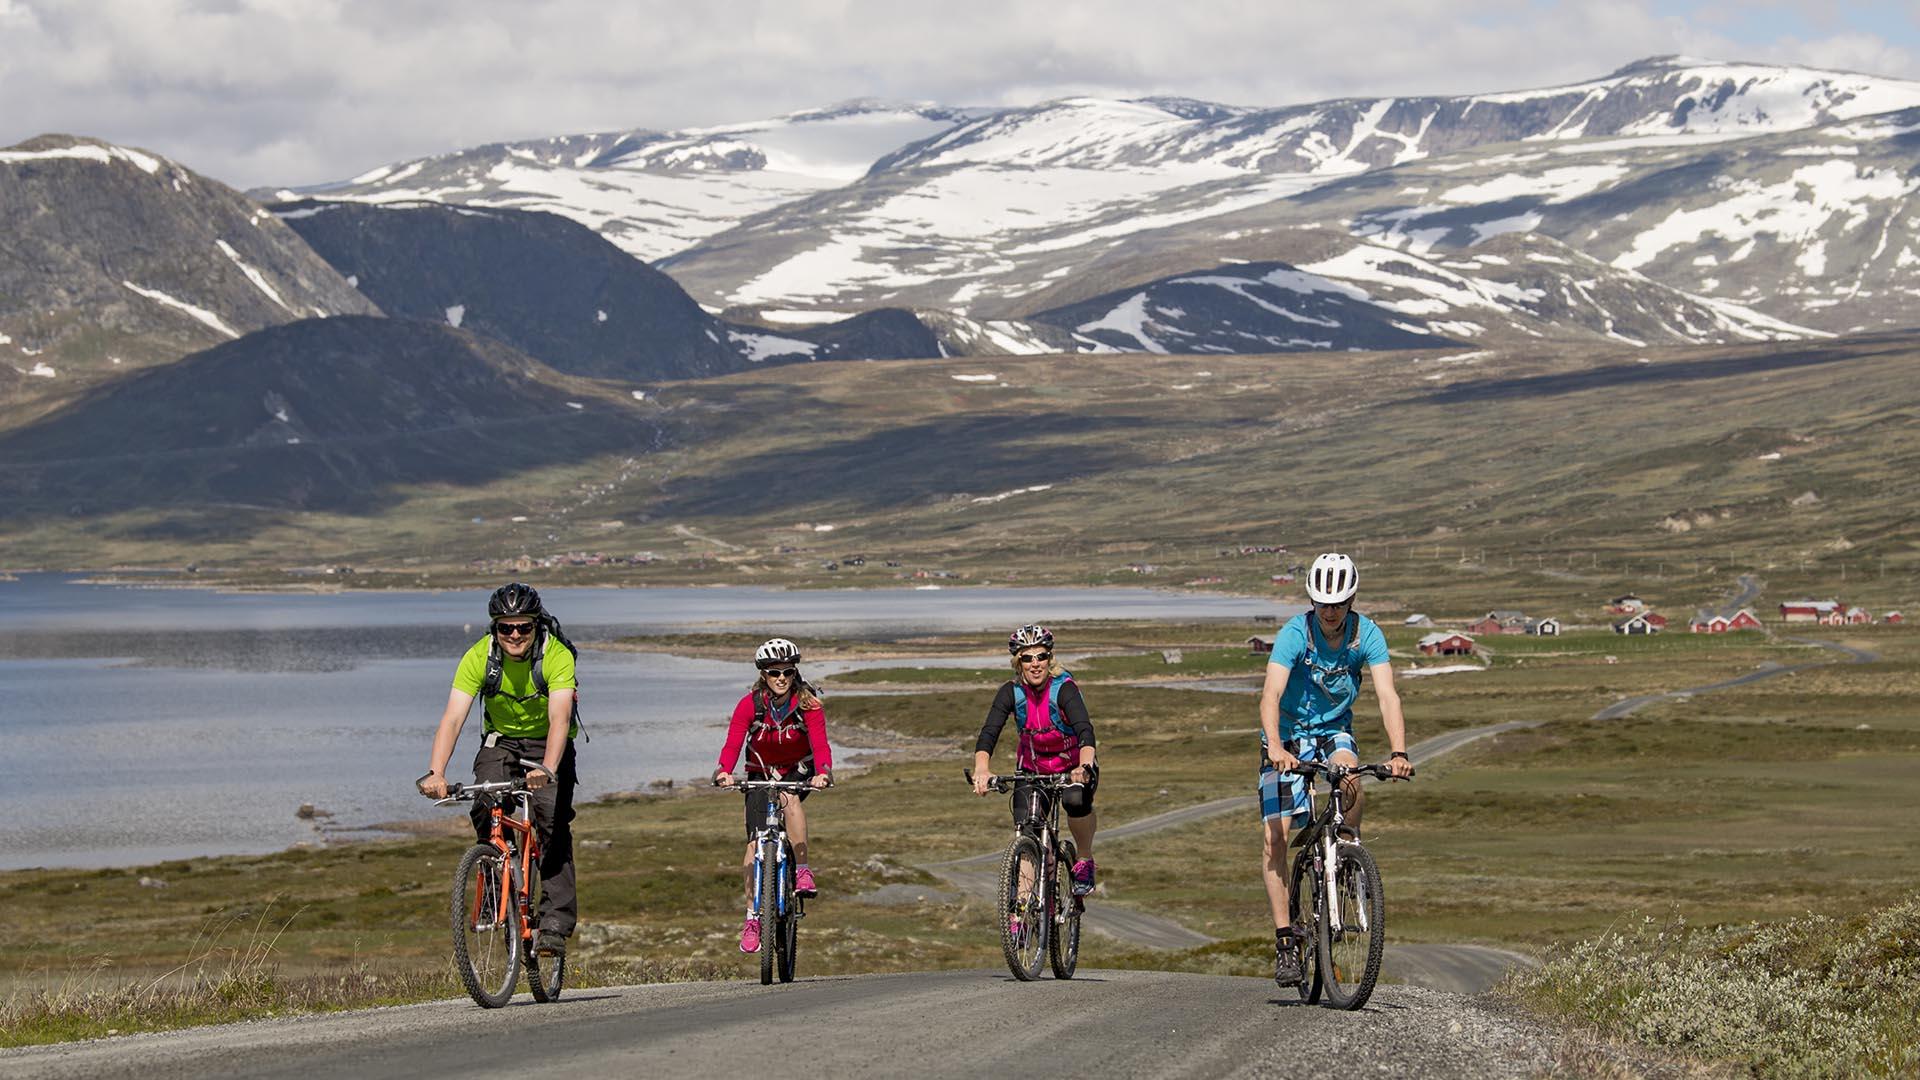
(1762, 801)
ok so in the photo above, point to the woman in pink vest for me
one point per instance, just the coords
(783, 728)
(1055, 737)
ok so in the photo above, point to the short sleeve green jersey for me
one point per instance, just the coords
(518, 711)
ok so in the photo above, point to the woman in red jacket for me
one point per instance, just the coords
(783, 728)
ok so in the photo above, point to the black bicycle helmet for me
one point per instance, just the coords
(514, 598)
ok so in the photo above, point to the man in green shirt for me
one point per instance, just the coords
(531, 696)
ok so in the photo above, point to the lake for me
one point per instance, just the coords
(149, 723)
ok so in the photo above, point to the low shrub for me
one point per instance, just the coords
(1815, 996)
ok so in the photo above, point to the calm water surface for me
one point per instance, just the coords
(152, 723)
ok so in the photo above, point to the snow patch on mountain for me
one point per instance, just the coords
(758, 347)
(1793, 211)
(96, 152)
(259, 280)
(199, 313)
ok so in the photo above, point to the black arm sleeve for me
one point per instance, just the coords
(997, 718)
(1075, 707)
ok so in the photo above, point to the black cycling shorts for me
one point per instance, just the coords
(757, 798)
(1077, 800)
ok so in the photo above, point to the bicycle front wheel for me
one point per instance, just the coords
(1303, 896)
(1351, 951)
(486, 926)
(1063, 944)
(1023, 914)
(787, 937)
(768, 869)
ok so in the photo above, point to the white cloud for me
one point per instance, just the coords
(297, 91)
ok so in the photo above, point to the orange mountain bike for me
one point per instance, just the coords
(496, 892)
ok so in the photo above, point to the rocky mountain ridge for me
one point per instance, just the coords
(118, 258)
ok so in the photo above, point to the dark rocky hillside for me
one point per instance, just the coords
(1243, 308)
(322, 414)
(113, 258)
(560, 292)
(550, 287)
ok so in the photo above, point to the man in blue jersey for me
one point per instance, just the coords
(1306, 714)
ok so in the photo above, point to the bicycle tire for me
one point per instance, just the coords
(1023, 924)
(1352, 959)
(545, 980)
(768, 869)
(1303, 901)
(486, 938)
(788, 937)
(1063, 944)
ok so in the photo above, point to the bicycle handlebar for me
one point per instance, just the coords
(774, 785)
(1002, 784)
(467, 792)
(1335, 772)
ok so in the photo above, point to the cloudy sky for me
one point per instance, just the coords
(257, 92)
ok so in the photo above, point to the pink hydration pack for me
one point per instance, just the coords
(1047, 741)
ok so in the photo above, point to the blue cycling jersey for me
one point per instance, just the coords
(1324, 681)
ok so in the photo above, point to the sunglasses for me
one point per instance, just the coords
(779, 673)
(1035, 658)
(512, 629)
(1333, 607)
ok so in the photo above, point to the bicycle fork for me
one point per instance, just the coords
(1329, 878)
(760, 869)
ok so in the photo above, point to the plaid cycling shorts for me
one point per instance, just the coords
(1286, 796)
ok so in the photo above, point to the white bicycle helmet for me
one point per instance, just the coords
(1332, 578)
(775, 652)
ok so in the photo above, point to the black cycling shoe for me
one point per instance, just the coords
(1286, 964)
(550, 944)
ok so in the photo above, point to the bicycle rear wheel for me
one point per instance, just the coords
(1023, 914)
(1303, 897)
(486, 927)
(1063, 944)
(769, 872)
(1351, 955)
(545, 975)
(787, 937)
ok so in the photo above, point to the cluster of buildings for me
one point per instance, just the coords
(522, 563)
(1832, 613)
(1634, 617)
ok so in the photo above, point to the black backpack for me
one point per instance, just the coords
(547, 626)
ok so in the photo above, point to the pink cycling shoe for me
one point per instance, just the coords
(803, 882)
(750, 936)
(1083, 877)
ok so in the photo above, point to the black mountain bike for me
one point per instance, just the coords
(777, 905)
(1039, 915)
(1334, 900)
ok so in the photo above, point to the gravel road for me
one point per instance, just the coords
(953, 1023)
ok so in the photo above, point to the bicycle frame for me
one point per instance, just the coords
(1323, 829)
(1047, 787)
(521, 857)
(773, 830)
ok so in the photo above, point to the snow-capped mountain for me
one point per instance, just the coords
(657, 192)
(1717, 199)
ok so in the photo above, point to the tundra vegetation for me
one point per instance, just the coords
(1735, 824)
